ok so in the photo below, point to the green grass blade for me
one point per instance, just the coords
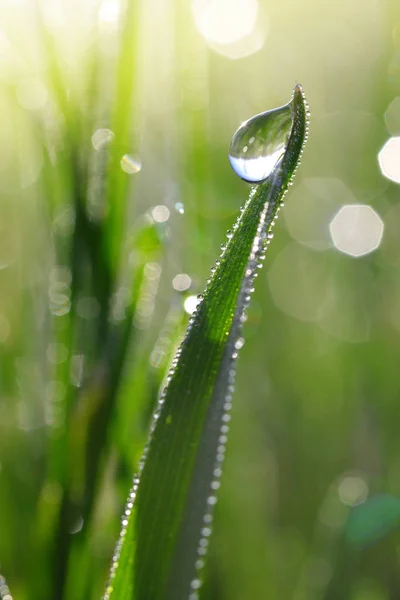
(161, 555)
(117, 180)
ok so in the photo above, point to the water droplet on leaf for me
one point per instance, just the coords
(259, 143)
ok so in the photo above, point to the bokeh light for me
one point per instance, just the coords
(130, 164)
(190, 304)
(231, 27)
(389, 159)
(181, 282)
(160, 213)
(313, 204)
(322, 331)
(109, 11)
(392, 117)
(298, 282)
(352, 490)
(57, 353)
(101, 138)
(225, 21)
(356, 230)
(353, 163)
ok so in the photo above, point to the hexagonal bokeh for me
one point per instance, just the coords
(356, 229)
(314, 203)
(389, 159)
(392, 117)
(361, 174)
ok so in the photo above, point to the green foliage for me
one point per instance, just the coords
(175, 490)
(90, 321)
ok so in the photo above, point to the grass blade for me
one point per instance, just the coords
(159, 556)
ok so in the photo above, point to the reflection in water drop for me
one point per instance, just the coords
(259, 143)
(179, 208)
(130, 164)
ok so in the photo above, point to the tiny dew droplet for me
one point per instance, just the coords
(259, 144)
(239, 343)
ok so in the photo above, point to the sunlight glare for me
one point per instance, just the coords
(225, 21)
(109, 11)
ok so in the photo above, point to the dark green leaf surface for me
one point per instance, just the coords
(158, 557)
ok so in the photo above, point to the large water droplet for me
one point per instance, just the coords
(260, 143)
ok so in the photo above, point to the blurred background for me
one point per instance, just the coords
(116, 193)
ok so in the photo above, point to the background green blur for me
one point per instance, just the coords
(309, 504)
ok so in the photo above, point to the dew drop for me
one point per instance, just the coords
(259, 143)
(199, 564)
(196, 583)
